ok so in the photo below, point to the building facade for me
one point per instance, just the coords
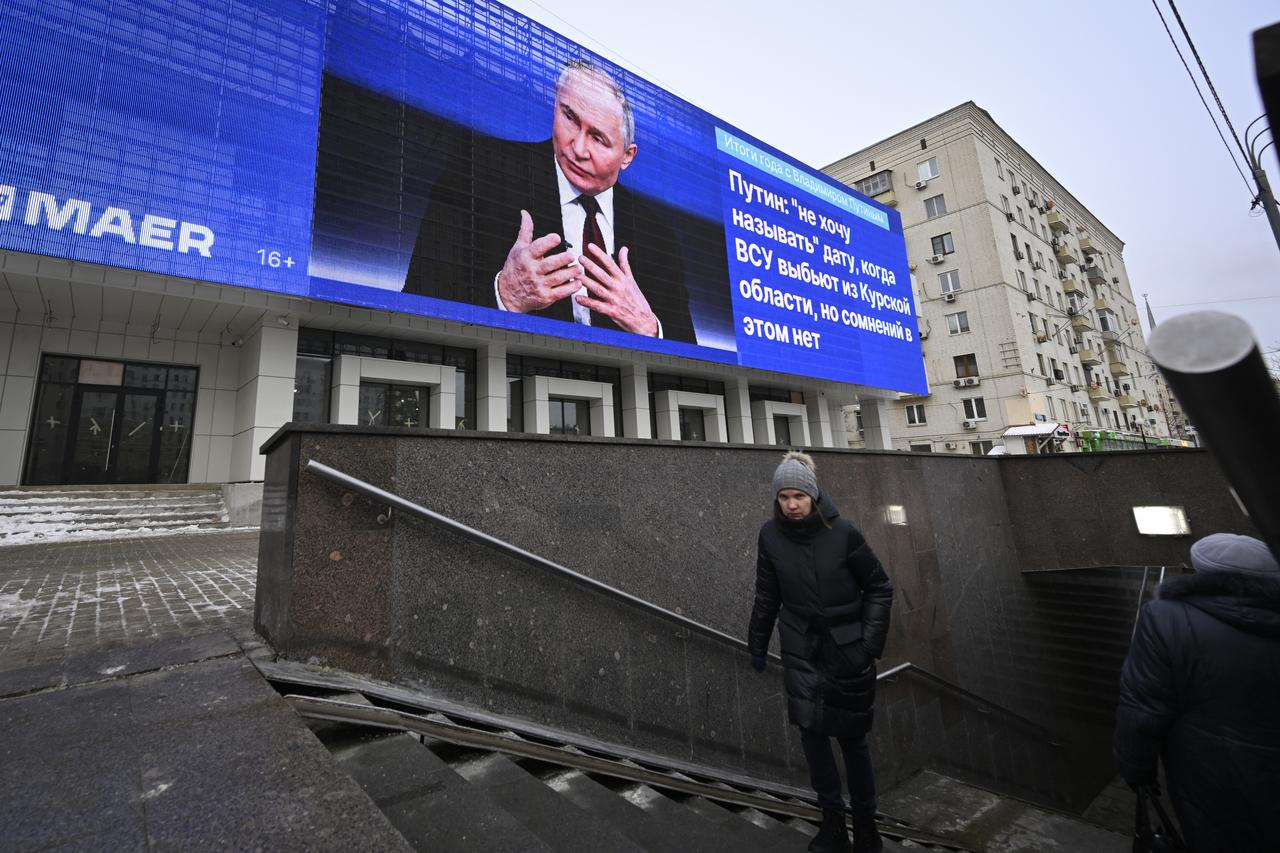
(109, 375)
(1026, 311)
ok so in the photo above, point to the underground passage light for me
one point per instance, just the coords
(896, 515)
(1161, 521)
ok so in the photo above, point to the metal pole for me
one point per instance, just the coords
(1267, 200)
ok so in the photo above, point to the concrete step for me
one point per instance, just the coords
(994, 823)
(428, 803)
(44, 514)
(556, 820)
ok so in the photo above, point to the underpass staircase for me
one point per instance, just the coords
(456, 777)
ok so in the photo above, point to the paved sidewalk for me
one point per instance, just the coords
(60, 599)
(130, 718)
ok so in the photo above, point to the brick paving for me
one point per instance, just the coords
(60, 598)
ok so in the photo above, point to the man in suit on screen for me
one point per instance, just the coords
(545, 228)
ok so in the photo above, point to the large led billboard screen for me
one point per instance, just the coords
(450, 158)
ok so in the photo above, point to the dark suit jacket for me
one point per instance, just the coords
(473, 217)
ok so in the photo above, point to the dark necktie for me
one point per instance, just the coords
(591, 234)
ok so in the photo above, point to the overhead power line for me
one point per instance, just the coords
(1208, 109)
(1205, 72)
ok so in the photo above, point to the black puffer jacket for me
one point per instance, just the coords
(834, 599)
(1201, 688)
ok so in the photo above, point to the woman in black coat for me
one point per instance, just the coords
(819, 579)
(1201, 690)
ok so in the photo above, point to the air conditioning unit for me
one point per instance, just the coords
(937, 259)
(971, 380)
(1151, 421)
(969, 424)
(950, 445)
(921, 184)
(1018, 255)
(1008, 215)
(1075, 387)
(1062, 274)
(1042, 337)
(1037, 266)
(948, 297)
(1041, 209)
(924, 335)
(1072, 350)
(1115, 279)
(1049, 380)
(1017, 190)
(1031, 297)
(1071, 311)
(957, 382)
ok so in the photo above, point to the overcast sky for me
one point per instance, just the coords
(1093, 90)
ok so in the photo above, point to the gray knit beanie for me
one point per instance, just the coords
(797, 471)
(1230, 552)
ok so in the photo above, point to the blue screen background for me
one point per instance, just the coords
(209, 113)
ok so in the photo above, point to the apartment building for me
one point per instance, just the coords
(1026, 311)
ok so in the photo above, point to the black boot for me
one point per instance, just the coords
(832, 837)
(866, 837)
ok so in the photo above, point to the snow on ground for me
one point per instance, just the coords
(28, 533)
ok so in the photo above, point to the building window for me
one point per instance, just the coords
(999, 169)
(1040, 361)
(569, 417)
(880, 182)
(1107, 321)
(966, 365)
(958, 323)
(1022, 280)
(1004, 203)
(949, 281)
(981, 448)
(1017, 253)
(915, 414)
(975, 409)
(935, 206)
(928, 169)
(1033, 318)
(942, 244)
(1021, 219)
(384, 404)
(1048, 401)
(311, 390)
(920, 448)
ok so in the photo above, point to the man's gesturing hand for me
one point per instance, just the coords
(614, 292)
(531, 279)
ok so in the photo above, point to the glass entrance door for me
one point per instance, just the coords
(115, 438)
(95, 432)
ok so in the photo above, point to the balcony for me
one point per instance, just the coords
(1117, 367)
(1125, 401)
(1101, 304)
(1098, 392)
(1088, 357)
(1087, 246)
(1058, 223)
(1065, 254)
(1070, 286)
(888, 198)
(1081, 322)
(1095, 274)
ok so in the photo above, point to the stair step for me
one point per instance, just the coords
(699, 833)
(560, 824)
(429, 803)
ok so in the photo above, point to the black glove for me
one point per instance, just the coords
(757, 663)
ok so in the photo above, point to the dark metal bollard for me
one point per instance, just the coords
(1213, 365)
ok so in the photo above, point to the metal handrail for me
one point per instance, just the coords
(976, 698)
(1127, 567)
(393, 500)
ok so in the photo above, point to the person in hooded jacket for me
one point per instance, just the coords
(1200, 689)
(817, 577)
